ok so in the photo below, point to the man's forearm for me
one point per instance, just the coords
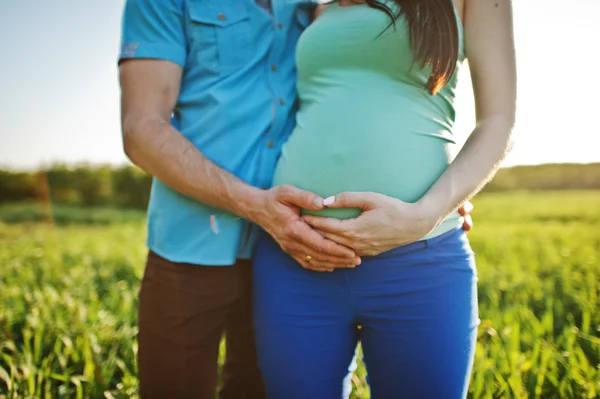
(160, 150)
(473, 168)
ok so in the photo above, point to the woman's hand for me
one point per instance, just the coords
(384, 224)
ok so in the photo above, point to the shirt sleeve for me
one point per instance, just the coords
(153, 29)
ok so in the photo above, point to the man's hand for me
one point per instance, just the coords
(279, 215)
(318, 10)
(465, 211)
(384, 224)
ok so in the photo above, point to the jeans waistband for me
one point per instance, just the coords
(422, 244)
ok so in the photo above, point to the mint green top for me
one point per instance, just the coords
(366, 121)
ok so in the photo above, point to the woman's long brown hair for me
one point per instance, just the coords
(433, 33)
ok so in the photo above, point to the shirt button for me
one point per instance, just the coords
(280, 25)
(221, 16)
(281, 101)
(270, 144)
(273, 67)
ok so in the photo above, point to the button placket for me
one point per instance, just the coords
(274, 83)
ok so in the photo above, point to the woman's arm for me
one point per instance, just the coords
(490, 50)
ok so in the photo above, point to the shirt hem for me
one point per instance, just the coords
(452, 222)
(192, 260)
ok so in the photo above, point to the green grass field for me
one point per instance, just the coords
(68, 298)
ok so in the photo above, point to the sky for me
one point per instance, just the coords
(59, 93)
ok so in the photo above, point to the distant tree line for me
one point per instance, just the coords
(547, 177)
(129, 187)
(85, 185)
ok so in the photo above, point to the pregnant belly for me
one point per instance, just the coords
(386, 139)
(388, 160)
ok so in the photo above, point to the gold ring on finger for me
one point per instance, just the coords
(307, 258)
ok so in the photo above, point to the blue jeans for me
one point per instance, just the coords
(414, 309)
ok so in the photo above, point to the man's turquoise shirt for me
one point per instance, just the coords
(236, 106)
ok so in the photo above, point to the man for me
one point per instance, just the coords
(208, 94)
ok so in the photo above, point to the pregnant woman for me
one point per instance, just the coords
(376, 84)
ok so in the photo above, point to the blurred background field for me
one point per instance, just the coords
(69, 275)
(72, 235)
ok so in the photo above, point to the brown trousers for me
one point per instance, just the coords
(184, 310)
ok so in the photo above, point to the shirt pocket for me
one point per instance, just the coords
(220, 34)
